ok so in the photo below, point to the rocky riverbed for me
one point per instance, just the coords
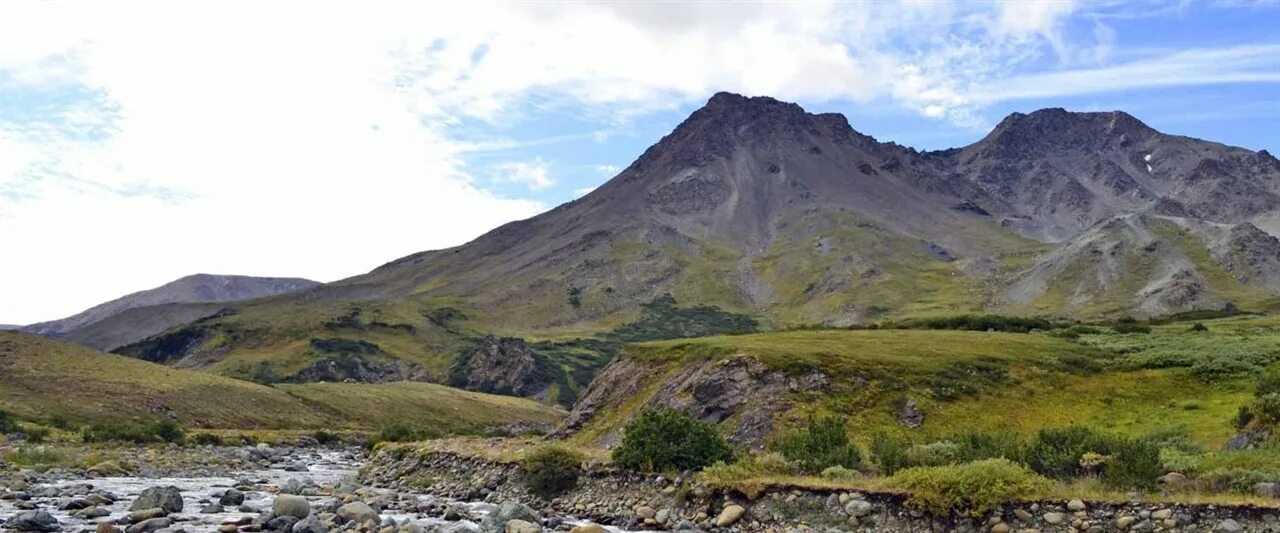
(313, 489)
(248, 489)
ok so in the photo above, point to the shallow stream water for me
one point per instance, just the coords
(325, 468)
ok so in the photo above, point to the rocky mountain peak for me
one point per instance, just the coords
(1056, 130)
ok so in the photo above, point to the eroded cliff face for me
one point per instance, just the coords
(504, 365)
(741, 394)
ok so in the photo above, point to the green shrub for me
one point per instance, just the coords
(1132, 463)
(161, 431)
(61, 422)
(977, 487)
(889, 452)
(1215, 369)
(1010, 324)
(1129, 327)
(7, 423)
(1056, 452)
(747, 467)
(324, 437)
(934, 454)
(39, 457)
(821, 445)
(206, 439)
(35, 435)
(1198, 327)
(551, 470)
(1077, 451)
(976, 446)
(1237, 479)
(840, 473)
(663, 318)
(668, 439)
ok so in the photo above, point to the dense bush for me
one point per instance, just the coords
(821, 445)
(933, 454)
(663, 319)
(1076, 451)
(1010, 324)
(667, 439)
(889, 452)
(1056, 452)
(551, 470)
(1198, 327)
(977, 487)
(35, 435)
(324, 437)
(7, 423)
(750, 466)
(161, 431)
(975, 446)
(1132, 463)
(1127, 327)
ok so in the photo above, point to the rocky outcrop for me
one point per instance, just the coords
(740, 391)
(504, 365)
(665, 502)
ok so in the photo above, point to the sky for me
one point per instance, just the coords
(144, 141)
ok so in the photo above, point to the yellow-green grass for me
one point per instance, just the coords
(1046, 382)
(425, 405)
(42, 378)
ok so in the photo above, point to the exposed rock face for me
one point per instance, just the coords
(910, 415)
(506, 365)
(739, 388)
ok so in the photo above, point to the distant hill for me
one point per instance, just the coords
(41, 378)
(136, 316)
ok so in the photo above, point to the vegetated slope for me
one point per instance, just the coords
(759, 208)
(153, 312)
(957, 381)
(417, 338)
(41, 378)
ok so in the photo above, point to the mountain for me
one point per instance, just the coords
(753, 210)
(756, 205)
(138, 315)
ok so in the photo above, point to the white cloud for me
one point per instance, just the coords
(608, 170)
(1245, 63)
(313, 139)
(532, 174)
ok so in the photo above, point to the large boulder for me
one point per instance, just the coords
(167, 498)
(40, 521)
(508, 511)
(310, 524)
(357, 512)
(588, 528)
(730, 515)
(290, 505)
(231, 498)
(520, 526)
(147, 526)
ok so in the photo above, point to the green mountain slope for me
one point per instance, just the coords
(41, 378)
(754, 386)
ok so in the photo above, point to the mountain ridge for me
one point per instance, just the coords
(191, 289)
(759, 208)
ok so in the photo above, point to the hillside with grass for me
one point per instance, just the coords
(41, 379)
(1168, 380)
